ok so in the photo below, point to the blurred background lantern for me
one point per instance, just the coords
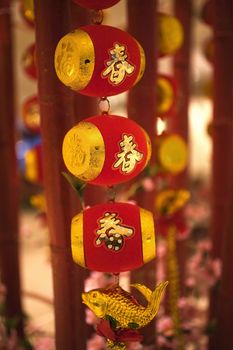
(96, 4)
(166, 95)
(31, 114)
(27, 10)
(33, 170)
(113, 237)
(29, 62)
(96, 154)
(99, 60)
(171, 34)
(172, 153)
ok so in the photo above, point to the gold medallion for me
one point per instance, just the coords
(84, 151)
(75, 59)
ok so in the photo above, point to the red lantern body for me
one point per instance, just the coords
(31, 114)
(106, 150)
(29, 63)
(96, 4)
(113, 237)
(99, 60)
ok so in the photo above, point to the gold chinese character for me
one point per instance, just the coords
(112, 232)
(129, 156)
(118, 66)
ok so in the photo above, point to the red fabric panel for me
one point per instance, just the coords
(113, 128)
(104, 38)
(100, 258)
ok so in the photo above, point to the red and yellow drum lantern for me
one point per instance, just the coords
(31, 114)
(29, 62)
(96, 4)
(166, 95)
(106, 149)
(171, 34)
(113, 237)
(99, 60)
(33, 165)
(172, 155)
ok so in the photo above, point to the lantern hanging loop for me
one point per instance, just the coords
(97, 16)
(111, 193)
(104, 105)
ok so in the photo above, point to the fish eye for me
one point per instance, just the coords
(94, 295)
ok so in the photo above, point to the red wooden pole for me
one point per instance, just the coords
(222, 198)
(56, 103)
(142, 108)
(179, 123)
(9, 182)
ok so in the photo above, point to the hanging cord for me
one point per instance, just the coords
(104, 105)
(97, 16)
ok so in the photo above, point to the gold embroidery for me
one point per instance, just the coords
(112, 232)
(129, 156)
(118, 66)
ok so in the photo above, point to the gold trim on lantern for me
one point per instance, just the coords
(75, 59)
(148, 235)
(31, 166)
(173, 154)
(77, 244)
(149, 149)
(84, 151)
(142, 63)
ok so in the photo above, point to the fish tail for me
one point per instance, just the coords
(155, 300)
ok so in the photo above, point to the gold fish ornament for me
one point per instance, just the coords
(123, 312)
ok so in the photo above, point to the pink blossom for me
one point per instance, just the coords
(148, 184)
(90, 317)
(96, 343)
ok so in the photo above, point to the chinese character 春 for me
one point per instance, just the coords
(129, 156)
(112, 232)
(118, 66)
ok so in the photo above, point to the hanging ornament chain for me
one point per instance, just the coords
(104, 105)
(97, 16)
(173, 277)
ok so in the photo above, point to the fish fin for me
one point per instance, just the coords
(145, 291)
(133, 325)
(156, 298)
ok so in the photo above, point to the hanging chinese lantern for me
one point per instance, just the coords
(171, 35)
(31, 114)
(96, 4)
(33, 171)
(106, 149)
(29, 62)
(172, 153)
(99, 60)
(166, 95)
(113, 237)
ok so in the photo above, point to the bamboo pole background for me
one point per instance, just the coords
(179, 123)
(221, 308)
(9, 182)
(142, 109)
(57, 116)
